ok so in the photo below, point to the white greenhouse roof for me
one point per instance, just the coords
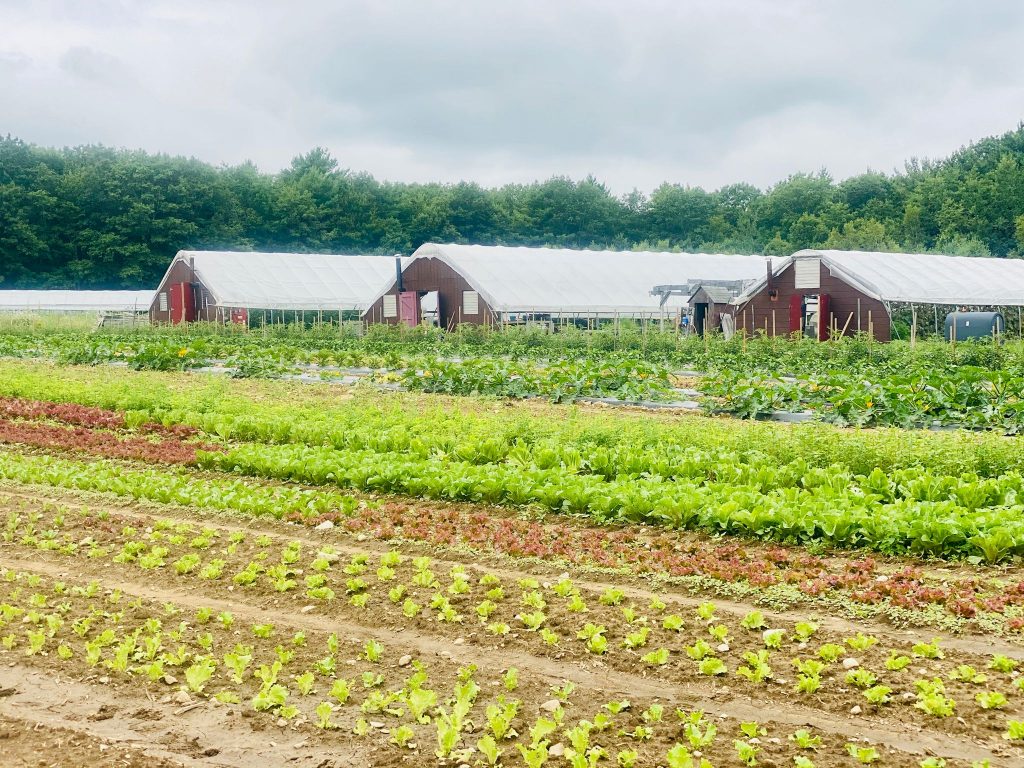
(921, 278)
(75, 301)
(290, 281)
(559, 280)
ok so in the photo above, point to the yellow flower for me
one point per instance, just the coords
(182, 352)
(868, 403)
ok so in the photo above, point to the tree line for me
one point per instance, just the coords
(96, 217)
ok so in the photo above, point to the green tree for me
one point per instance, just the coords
(682, 215)
(807, 231)
(778, 247)
(962, 245)
(860, 235)
(787, 201)
(96, 217)
(912, 228)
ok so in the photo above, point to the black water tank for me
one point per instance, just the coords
(974, 325)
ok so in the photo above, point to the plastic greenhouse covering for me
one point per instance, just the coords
(290, 281)
(75, 301)
(553, 280)
(925, 278)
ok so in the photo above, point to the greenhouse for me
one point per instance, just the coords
(75, 301)
(826, 293)
(454, 284)
(227, 285)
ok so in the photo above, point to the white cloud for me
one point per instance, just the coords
(703, 92)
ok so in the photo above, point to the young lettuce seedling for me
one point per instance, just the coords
(805, 740)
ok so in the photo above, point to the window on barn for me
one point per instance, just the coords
(390, 304)
(807, 273)
(163, 301)
(470, 303)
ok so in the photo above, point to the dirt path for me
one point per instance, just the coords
(162, 732)
(33, 743)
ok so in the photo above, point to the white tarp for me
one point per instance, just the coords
(558, 280)
(290, 281)
(75, 301)
(923, 278)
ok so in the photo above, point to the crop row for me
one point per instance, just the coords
(362, 689)
(80, 439)
(418, 437)
(344, 346)
(904, 390)
(559, 381)
(974, 398)
(85, 416)
(168, 486)
(841, 513)
(305, 678)
(680, 486)
(911, 511)
(285, 412)
(849, 517)
(566, 621)
(787, 574)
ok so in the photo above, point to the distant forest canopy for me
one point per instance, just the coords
(94, 217)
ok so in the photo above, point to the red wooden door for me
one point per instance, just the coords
(796, 313)
(183, 303)
(824, 317)
(409, 308)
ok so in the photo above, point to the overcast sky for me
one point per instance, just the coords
(701, 92)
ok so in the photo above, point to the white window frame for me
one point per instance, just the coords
(389, 305)
(470, 303)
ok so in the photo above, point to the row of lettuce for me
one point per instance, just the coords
(281, 412)
(944, 495)
(973, 518)
(976, 519)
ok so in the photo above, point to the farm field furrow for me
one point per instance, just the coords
(901, 592)
(24, 740)
(636, 586)
(599, 683)
(261, 605)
